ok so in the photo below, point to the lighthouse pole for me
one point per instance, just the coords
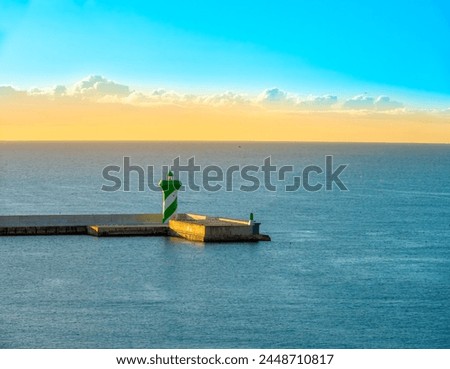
(170, 189)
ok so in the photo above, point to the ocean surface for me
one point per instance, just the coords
(363, 268)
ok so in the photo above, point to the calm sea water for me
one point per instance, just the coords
(365, 268)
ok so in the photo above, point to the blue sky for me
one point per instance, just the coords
(311, 47)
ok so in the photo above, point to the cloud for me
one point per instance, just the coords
(385, 103)
(59, 90)
(318, 102)
(9, 91)
(159, 92)
(136, 98)
(37, 92)
(273, 95)
(276, 97)
(359, 102)
(226, 98)
(366, 102)
(48, 93)
(162, 95)
(98, 86)
(158, 96)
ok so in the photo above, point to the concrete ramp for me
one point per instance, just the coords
(128, 230)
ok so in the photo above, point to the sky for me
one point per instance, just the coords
(385, 58)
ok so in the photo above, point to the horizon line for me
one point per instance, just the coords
(229, 141)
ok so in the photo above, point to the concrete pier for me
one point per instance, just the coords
(202, 228)
(76, 219)
(193, 227)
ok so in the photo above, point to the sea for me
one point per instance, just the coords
(365, 266)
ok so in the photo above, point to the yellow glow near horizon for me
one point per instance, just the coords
(82, 121)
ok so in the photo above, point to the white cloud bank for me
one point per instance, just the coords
(365, 102)
(9, 91)
(274, 97)
(97, 88)
(319, 102)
